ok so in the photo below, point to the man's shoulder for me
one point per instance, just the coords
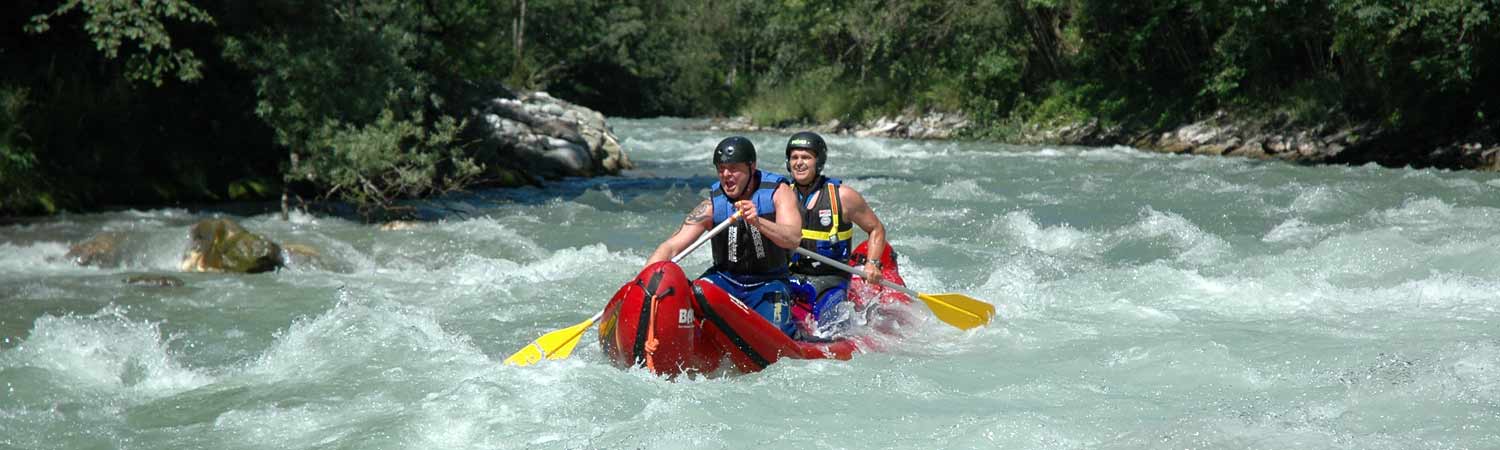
(766, 175)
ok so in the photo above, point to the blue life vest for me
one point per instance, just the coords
(741, 250)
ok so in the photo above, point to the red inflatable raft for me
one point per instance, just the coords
(670, 325)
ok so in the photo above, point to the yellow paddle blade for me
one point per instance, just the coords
(959, 310)
(555, 345)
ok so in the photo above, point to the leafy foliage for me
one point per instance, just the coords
(17, 157)
(176, 100)
(373, 165)
(140, 27)
(359, 93)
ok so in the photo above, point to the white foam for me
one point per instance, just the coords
(871, 149)
(363, 332)
(1439, 292)
(1206, 163)
(1115, 154)
(106, 350)
(162, 213)
(604, 191)
(1129, 356)
(1463, 184)
(1061, 239)
(1423, 211)
(1042, 198)
(1014, 288)
(1046, 153)
(1313, 199)
(1215, 184)
(1192, 244)
(300, 217)
(1295, 231)
(486, 229)
(37, 258)
(958, 190)
(564, 264)
(1142, 314)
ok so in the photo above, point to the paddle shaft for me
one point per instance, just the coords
(705, 238)
(852, 270)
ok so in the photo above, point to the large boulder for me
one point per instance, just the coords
(222, 245)
(103, 250)
(549, 138)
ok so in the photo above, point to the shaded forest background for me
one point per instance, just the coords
(113, 103)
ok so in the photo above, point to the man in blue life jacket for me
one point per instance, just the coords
(829, 211)
(750, 257)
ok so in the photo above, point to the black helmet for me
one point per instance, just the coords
(734, 149)
(807, 140)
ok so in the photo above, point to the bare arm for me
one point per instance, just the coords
(697, 222)
(786, 230)
(859, 212)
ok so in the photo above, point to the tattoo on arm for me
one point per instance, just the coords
(699, 214)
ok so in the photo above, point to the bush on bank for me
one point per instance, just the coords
(211, 100)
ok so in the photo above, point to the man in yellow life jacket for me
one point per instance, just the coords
(829, 211)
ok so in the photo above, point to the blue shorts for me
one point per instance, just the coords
(823, 297)
(769, 297)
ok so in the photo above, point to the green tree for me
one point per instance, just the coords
(139, 31)
(359, 93)
(1419, 63)
(17, 158)
(119, 107)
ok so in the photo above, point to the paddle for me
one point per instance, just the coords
(958, 310)
(559, 344)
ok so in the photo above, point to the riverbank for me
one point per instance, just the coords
(503, 138)
(1272, 137)
(1267, 136)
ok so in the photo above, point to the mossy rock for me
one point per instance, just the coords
(222, 245)
(102, 250)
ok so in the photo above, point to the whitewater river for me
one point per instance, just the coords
(1146, 301)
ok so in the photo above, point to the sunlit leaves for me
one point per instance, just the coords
(138, 28)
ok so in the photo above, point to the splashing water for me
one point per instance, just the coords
(1146, 301)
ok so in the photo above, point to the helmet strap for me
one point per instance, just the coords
(816, 181)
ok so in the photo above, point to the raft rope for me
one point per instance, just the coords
(645, 339)
(651, 342)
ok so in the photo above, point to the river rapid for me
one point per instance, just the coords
(1146, 301)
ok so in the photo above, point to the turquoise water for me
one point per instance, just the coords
(1147, 301)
